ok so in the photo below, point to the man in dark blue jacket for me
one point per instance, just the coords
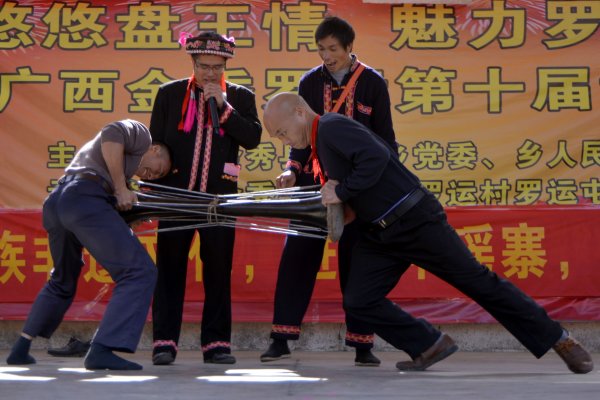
(401, 223)
(340, 84)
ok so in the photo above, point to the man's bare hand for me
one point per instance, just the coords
(328, 195)
(214, 90)
(285, 180)
(125, 199)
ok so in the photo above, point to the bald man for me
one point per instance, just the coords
(401, 223)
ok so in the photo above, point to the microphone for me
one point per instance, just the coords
(214, 113)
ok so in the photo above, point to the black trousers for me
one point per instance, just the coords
(216, 253)
(300, 262)
(423, 237)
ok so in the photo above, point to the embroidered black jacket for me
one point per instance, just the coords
(371, 108)
(241, 128)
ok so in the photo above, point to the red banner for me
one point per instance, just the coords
(548, 251)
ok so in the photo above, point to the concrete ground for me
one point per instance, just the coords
(491, 364)
(306, 375)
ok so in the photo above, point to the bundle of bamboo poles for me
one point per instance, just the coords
(290, 211)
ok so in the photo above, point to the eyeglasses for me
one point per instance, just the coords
(207, 67)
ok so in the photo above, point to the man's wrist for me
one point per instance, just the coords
(293, 166)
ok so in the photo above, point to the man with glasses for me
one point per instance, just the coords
(204, 119)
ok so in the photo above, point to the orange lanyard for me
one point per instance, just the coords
(318, 173)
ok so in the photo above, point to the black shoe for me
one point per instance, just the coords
(276, 351)
(163, 358)
(365, 358)
(74, 348)
(220, 358)
(164, 355)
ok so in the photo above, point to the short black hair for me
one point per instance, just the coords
(166, 148)
(212, 35)
(336, 27)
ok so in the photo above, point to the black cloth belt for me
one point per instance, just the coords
(409, 202)
(88, 177)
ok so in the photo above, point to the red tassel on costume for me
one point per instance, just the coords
(191, 113)
(318, 174)
(183, 123)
